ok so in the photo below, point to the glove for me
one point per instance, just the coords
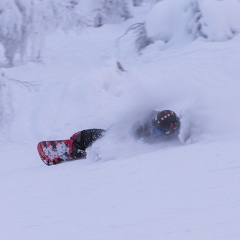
(77, 152)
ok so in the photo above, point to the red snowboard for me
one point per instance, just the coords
(54, 152)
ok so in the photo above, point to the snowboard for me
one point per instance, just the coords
(56, 151)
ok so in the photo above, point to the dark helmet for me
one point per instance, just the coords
(166, 121)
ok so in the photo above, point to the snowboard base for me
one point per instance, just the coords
(54, 152)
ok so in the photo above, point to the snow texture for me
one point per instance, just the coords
(125, 189)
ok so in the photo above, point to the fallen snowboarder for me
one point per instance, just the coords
(157, 126)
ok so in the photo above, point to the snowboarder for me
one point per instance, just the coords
(157, 126)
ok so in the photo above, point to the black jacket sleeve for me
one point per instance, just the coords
(85, 138)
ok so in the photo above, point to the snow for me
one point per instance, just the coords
(125, 189)
(221, 25)
(170, 20)
(167, 21)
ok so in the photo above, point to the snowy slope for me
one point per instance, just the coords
(125, 189)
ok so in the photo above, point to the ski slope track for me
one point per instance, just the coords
(125, 189)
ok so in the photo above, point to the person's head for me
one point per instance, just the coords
(165, 122)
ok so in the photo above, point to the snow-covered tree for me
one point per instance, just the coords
(170, 21)
(137, 35)
(34, 14)
(137, 2)
(6, 109)
(27, 26)
(215, 20)
(10, 29)
(66, 14)
(23, 35)
(111, 11)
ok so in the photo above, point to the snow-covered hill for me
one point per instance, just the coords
(124, 189)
